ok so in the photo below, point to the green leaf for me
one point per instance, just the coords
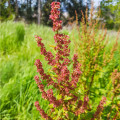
(71, 115)
(67, 98)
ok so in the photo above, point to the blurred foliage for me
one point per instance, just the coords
(27, 11)
(110, 12)
(69, 6)
(46, 12)
(77, 6)
(5, 12)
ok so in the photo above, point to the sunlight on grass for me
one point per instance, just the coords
(18, 52)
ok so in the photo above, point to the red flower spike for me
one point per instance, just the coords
(99, 108)
(43, 114)
(59, 63)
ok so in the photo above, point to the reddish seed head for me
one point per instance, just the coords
(36, 103)
(60, 68)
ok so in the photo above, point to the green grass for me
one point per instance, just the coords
(18, 88)
(18, 52)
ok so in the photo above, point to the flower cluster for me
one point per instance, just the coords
(64, 81)
(55, 13)
(76, 73)
(116, 79)
(82, 106)
(47, 95)
(43, 114)
(52, 99)
(48, 55)
(40, 70)
(99, 108)
(115, 117)
(116, 90)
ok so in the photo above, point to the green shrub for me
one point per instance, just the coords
(97, 61)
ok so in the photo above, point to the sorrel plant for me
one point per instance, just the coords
(66, 102)
(97, 62)
(91, 48)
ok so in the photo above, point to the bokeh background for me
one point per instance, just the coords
(27, 11)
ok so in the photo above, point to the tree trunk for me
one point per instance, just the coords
(0, 7)
(16, 9)
(39, 11)
(30, 12)
(27, 8)
(9, 7)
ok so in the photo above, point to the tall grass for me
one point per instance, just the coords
(11, 36)
(20, 32)
(18, 52)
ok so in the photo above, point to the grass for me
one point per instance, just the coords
(18, 52)
(17, 70)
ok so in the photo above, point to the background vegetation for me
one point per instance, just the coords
(18, 52)
(28, 10)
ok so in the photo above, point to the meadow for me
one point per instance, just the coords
(18, 52)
